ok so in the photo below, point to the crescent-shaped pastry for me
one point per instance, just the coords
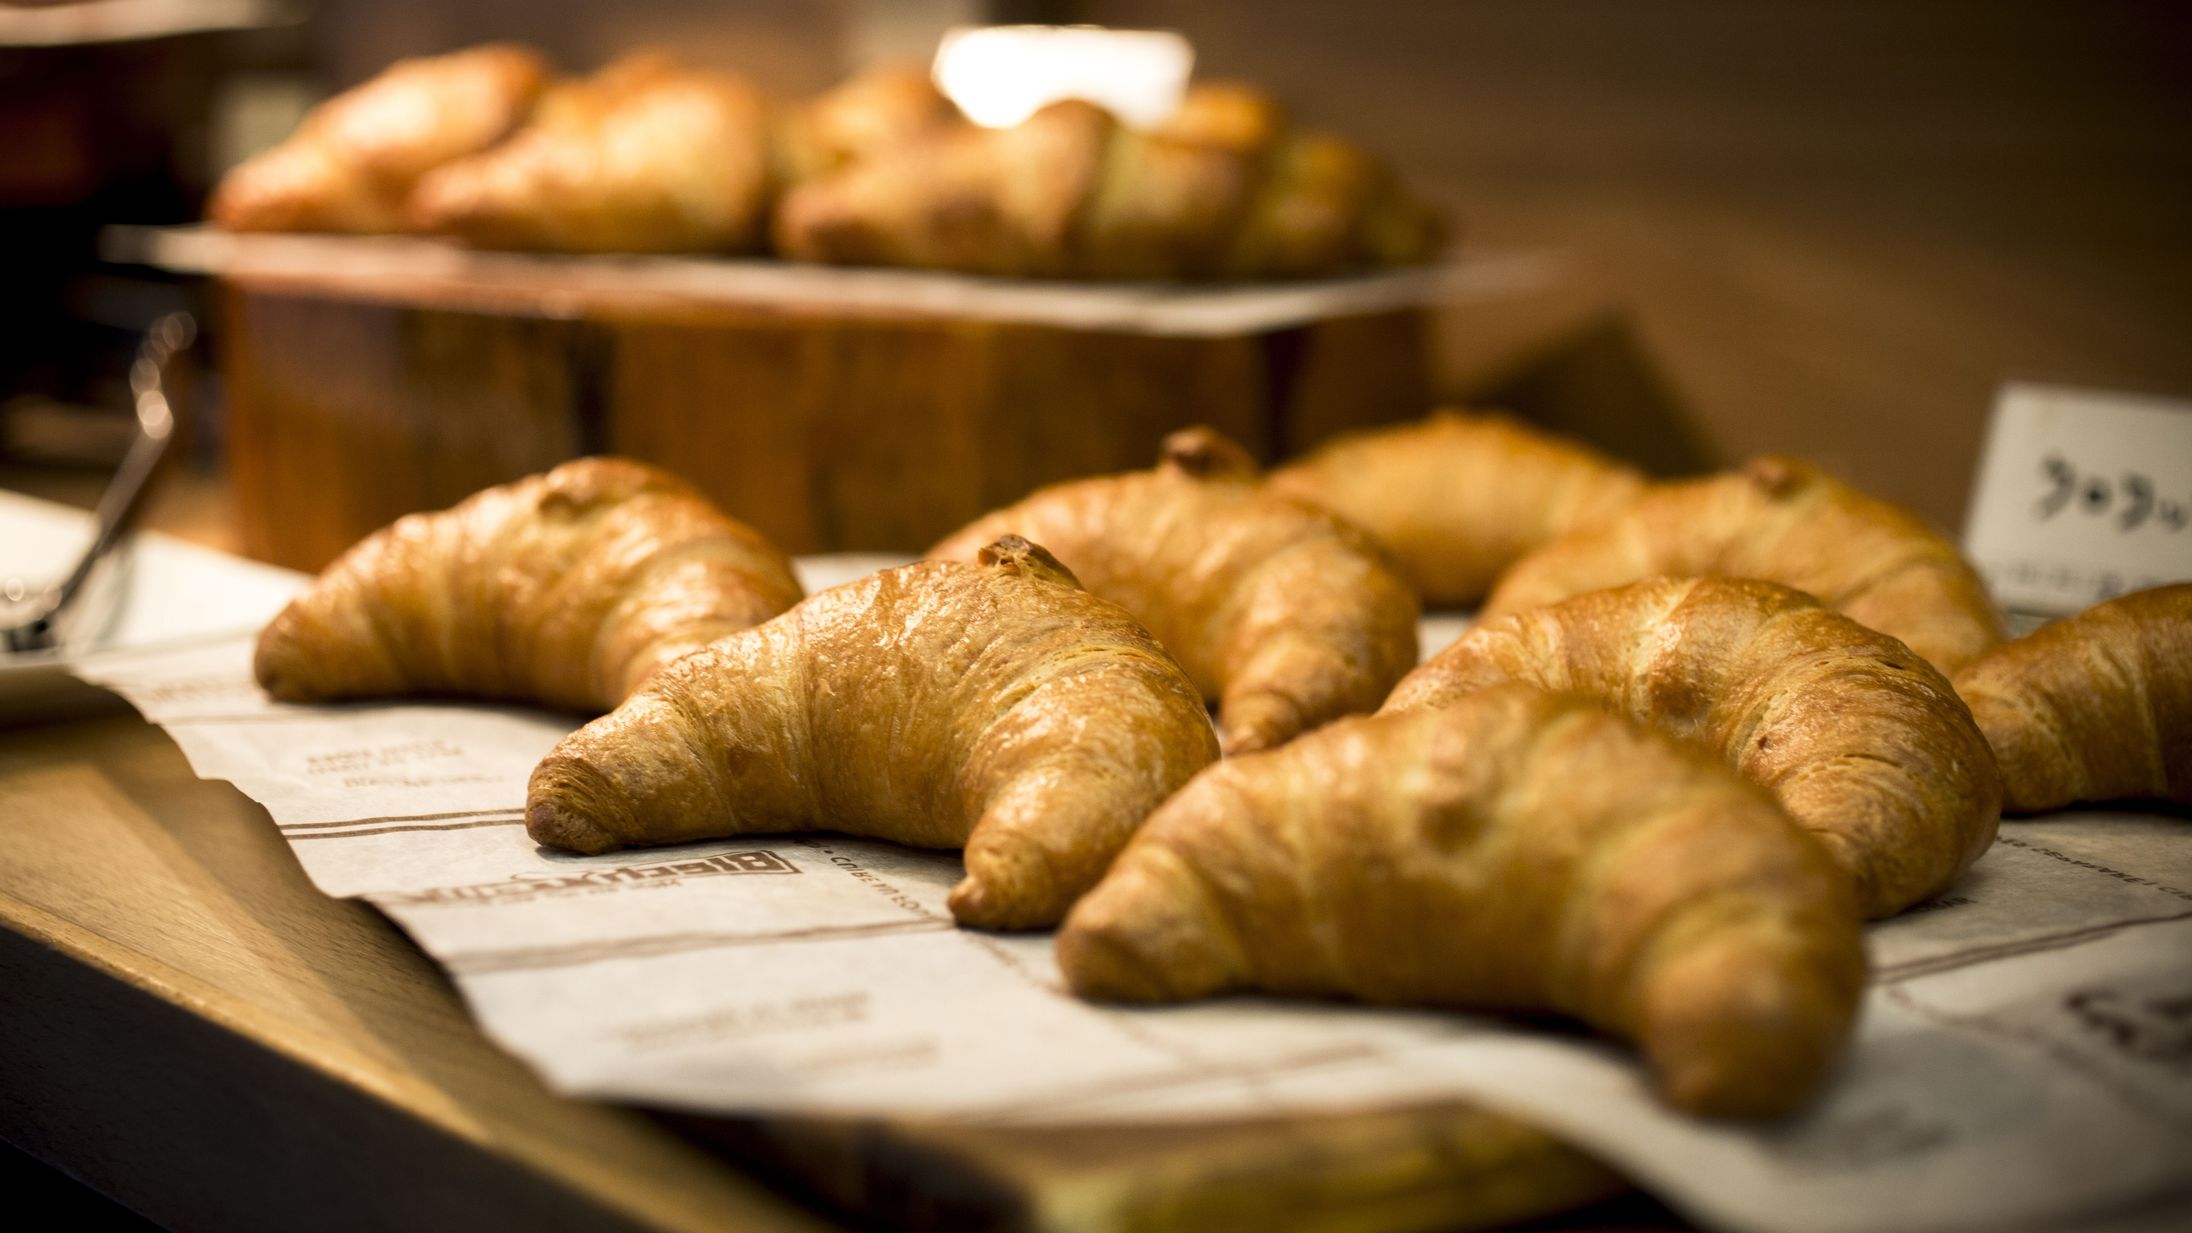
(1455, 499)
(1070, 192)
(1861, 741)
(2096, 707)
(644, 156)
(995, 706)
(1516, 850)
(1281, 613)
(568, 589)
(1788, 522)
(353, 161)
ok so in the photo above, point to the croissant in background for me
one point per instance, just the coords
(1862, 742)
(1228, 192)
(1514, 851)
(1455, 499)
(995, 705)
(649, 155)
(644, 156)
(568, 589)
(1788, 522)
(353, 161)
(2097, 707)
(886, 108)
(1281, 613)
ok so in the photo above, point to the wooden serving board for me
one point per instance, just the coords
(190, 1027)
(834, 409)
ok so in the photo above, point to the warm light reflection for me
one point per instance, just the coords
(999, 75)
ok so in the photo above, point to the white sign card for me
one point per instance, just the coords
(2082, 495)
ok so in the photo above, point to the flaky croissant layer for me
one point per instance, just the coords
(1455, 499)
(994, 705)
(1516, 850)
(351, 165)
(1786, 521)
(2096, 707)
(1281, 613)
(569, 589)
(1861, 741)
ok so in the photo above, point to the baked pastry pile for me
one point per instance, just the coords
(650, 155)
(1660, 805)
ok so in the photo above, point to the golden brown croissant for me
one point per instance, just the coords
(1861, 741)
(1072, 193)
(1455, 498)
(569, 589)
(352, 163)
(1517, 850)
(2097, 707)
(1281, 613)
(1230, 114)
(645, 156)
(887, 108)
(1788, 522)
(996, 706)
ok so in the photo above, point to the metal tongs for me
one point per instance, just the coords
(33, 613)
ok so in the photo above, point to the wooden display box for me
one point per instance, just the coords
(833, 409)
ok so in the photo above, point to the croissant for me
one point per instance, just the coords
(651, 156)
(1517, 850)
(886, 108)
(1072, 193)
(1862, 742)
(1455, 499)
(569, 589)
(996, 706)
(2097, 707)
(1788, 522)
(645, 156)
(1283, 614)
(353, 161)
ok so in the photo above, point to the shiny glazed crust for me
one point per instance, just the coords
(1785, 521)
(1514, 851)
(993, 705)
(568, 589)
(1862, 742)
(2097, 707)
(1455, 499)
(1282, 614)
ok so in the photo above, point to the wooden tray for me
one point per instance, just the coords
(833, 409)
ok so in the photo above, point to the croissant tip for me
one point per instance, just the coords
(1774, 474)
(1203, 451)
(1018, 554)
(552, 826)
(974, 905)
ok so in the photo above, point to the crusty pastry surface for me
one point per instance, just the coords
(1861, 741)
(1785, 521)
(1456, 498)
(2096, 707)
(568, 589)
(1515, 850)
(993, 705)
(1281, 613)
